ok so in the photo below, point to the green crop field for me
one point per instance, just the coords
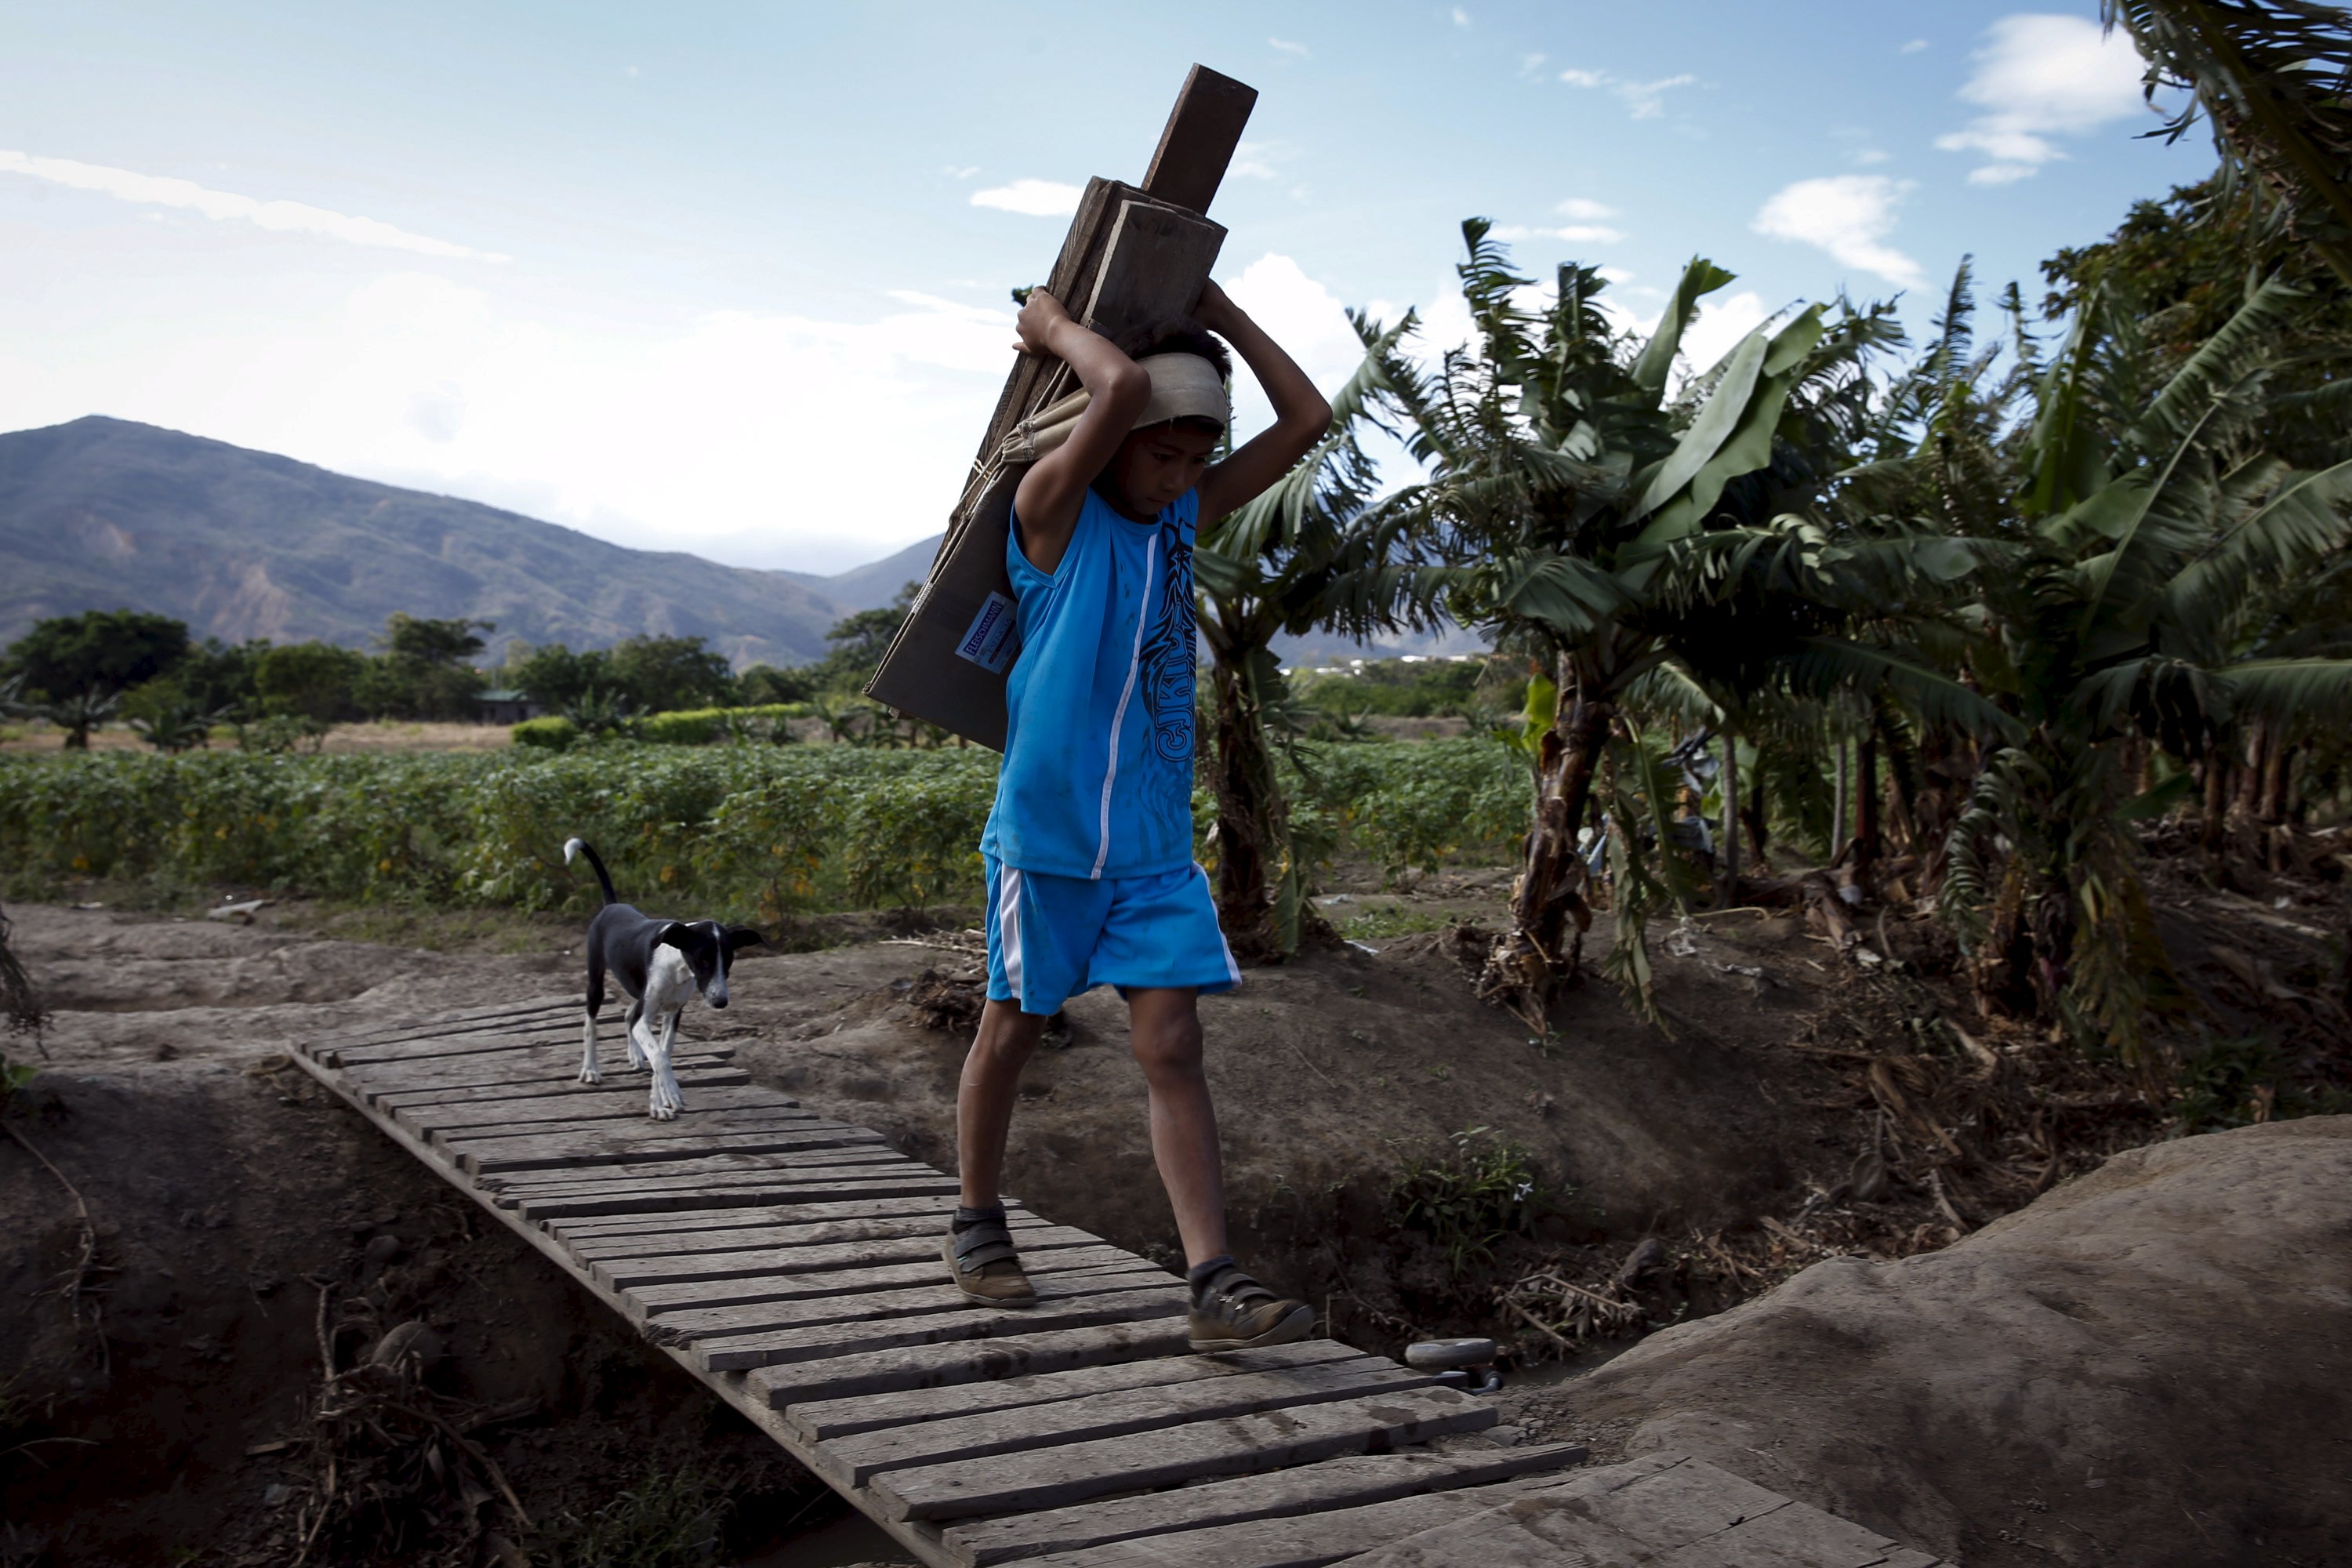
(753, 832)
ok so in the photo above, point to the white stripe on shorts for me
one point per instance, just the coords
(1008, 927)
(1232, 970)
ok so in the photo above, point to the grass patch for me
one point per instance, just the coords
(673, 1519)
(1465, 1198)
(1396, 920)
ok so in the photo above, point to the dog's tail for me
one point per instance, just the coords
(575, 847)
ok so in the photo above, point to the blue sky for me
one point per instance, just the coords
(731, 278)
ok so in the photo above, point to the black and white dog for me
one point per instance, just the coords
(660, 965)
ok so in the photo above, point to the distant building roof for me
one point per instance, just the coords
(502, 694)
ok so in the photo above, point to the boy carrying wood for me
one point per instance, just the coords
(1091, 879)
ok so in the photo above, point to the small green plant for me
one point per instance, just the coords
(666, 1521)
(1393, 922)
(2230, 1083)
(1470, 1196)
(597, 713)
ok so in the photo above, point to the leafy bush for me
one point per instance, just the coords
(1469, 1198)
(704, 726)
(553, 732)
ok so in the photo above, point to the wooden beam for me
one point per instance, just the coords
(1198, 141)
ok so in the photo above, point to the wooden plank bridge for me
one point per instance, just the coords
(790, 1262)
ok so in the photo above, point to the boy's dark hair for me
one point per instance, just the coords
(1182, 335)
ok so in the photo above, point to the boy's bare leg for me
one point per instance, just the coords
(992, 1079)
(1165, 1028)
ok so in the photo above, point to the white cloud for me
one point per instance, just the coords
(1913, 48)
(1574, 233)
(224, 207)
(657, 430)
(1033, 198)
(1530, 64)
(2038, 77)
(1461, 17)
(1581, 208)
(1254, 161)
(960, 171)
(1288, 47)
(1642, 100)
(1849, 216)
(1306, 318)
(1870, 155)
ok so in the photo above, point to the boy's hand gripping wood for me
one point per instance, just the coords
(1133, 255)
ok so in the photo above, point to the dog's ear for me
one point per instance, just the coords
(742, 936)
(673, 933)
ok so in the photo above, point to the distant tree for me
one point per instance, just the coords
(555, 678)
(765, 683)
(422, 672)
(859, 641)
(657, 675)
(316, 681)
(434, 642)
(97, 654)
(218, 676)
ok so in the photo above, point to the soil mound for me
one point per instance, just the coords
(2145, 1366)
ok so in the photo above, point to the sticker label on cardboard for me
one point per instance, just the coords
(989, 643)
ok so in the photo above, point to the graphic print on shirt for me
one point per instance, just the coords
(1171, 653)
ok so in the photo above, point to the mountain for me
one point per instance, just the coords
(103, 513)
(876, 584)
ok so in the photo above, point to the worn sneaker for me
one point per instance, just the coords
(1235, 1312)
(981, 1261)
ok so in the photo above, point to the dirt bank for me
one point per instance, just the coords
(2151, 1366)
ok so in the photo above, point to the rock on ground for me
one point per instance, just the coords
(2146, 1366)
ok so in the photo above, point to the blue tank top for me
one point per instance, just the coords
(1097, 775)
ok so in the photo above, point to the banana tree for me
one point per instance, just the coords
(1304, 552)
(1565, 490)
(2270, 76)
(2151, 533)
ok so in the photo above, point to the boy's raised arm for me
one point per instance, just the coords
(1047, 505)
(1301, 416)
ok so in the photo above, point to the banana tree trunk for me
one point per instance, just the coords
(1243, 781)
(1541, 952)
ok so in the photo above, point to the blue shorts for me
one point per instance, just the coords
(1051, 938)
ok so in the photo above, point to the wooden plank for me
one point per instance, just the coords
(1155, 254)
(492, 1082)
(1075, 1309)
(579, 1146)
(1794, 1535)
(715, 1170)
(966, 1363)
(442, 1047)
(685, 1324)
(808, 1186)
(631, 1126)
(825, 1419)
(415, 1028)
(1353, 1481)
(918, 1242)
(777, 1287)
(1237, 1445)
(857, 1460)
(627, 1229)
(1198, 141)
(534, 1022)
(577, 1102)
(1302, 1541)
(1672, 1507)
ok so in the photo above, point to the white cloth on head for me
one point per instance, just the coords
(1183, 386)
